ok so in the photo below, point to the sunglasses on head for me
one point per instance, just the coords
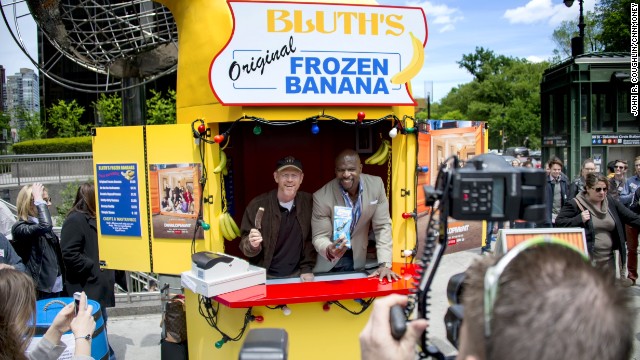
(599, 189)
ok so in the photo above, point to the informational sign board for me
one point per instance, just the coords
(284, 53)
(615, 139)
(118, 203)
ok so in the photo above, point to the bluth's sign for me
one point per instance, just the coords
(304, 54)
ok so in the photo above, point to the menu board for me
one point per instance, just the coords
(118, 205)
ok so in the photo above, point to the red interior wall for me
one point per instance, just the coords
(253, 157)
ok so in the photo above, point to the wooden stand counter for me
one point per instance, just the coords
(310, 322)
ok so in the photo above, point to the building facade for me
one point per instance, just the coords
(586, 111)
(3, 95)
(22, 93)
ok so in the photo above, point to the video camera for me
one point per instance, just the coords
(489, 188)
(486, 188)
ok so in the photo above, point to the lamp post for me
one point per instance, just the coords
(577, 43)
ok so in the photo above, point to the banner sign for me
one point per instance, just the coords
(284, 53)
(118, 199)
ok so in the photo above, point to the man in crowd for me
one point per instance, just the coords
(577, 185)
(556, 191)
(281, 241)
(365, 197)
(618, 187)
(8, 256)
(545, 285)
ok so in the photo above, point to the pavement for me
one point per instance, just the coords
(136, 334)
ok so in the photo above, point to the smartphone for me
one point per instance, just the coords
(76, 300)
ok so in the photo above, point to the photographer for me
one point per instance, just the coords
(375, 339)
(546, 287)
(543, 288)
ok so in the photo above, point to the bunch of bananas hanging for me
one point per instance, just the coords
(222, 165)
(228, 226)
(381, 155)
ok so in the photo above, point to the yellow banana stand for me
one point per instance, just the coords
(261, 80)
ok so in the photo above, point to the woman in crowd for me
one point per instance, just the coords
(80, 252)
(36, 243)
(17, 311)
(603, 219)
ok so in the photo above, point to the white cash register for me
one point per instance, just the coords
(214, 273)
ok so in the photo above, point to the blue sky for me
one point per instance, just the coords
(518, 28)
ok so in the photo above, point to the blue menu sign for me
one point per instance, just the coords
(118, 203)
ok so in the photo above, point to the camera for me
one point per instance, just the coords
(488, 188)
(76, 299)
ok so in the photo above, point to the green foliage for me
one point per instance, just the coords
(615, 16)
(65, 118)
(50, 146)
(505, 93)
(161, 110)
(567, 29)
(32, 128)
(452, 115)
(68, 196)
(483, 63)
(5, 120)
(109, 109)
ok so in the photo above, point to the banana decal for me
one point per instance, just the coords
(222, 165)
(415, 65)
(381, 155)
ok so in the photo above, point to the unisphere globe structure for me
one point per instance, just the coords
(118, 38)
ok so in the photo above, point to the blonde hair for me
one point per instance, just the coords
(24, 202)
(17, 313)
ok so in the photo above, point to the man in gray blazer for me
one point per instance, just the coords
(365, 196)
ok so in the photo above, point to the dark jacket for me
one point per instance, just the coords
(570, 217)
(9, 256)
(82, 260)
(271, 226)
(563, 196)
(39, 248)
(576, 187)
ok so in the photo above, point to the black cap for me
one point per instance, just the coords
(288, 162)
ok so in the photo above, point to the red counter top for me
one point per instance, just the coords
(320, 291)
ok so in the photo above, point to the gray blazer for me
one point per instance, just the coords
(374, 215)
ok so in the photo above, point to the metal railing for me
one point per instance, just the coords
(18, 170)
(25, 169)
(140, 286)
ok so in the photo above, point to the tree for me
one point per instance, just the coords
(505, 93)
(31, 128)
(65, 118)
(615, 18)
(483, 63)
(161, 110)
(568, 29)
(109, 110)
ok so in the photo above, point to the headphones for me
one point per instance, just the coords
(492, 275)
(455, 313)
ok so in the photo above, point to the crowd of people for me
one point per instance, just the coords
(290, 233)
(37, 265)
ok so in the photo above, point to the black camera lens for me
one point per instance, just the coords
(455, 288)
